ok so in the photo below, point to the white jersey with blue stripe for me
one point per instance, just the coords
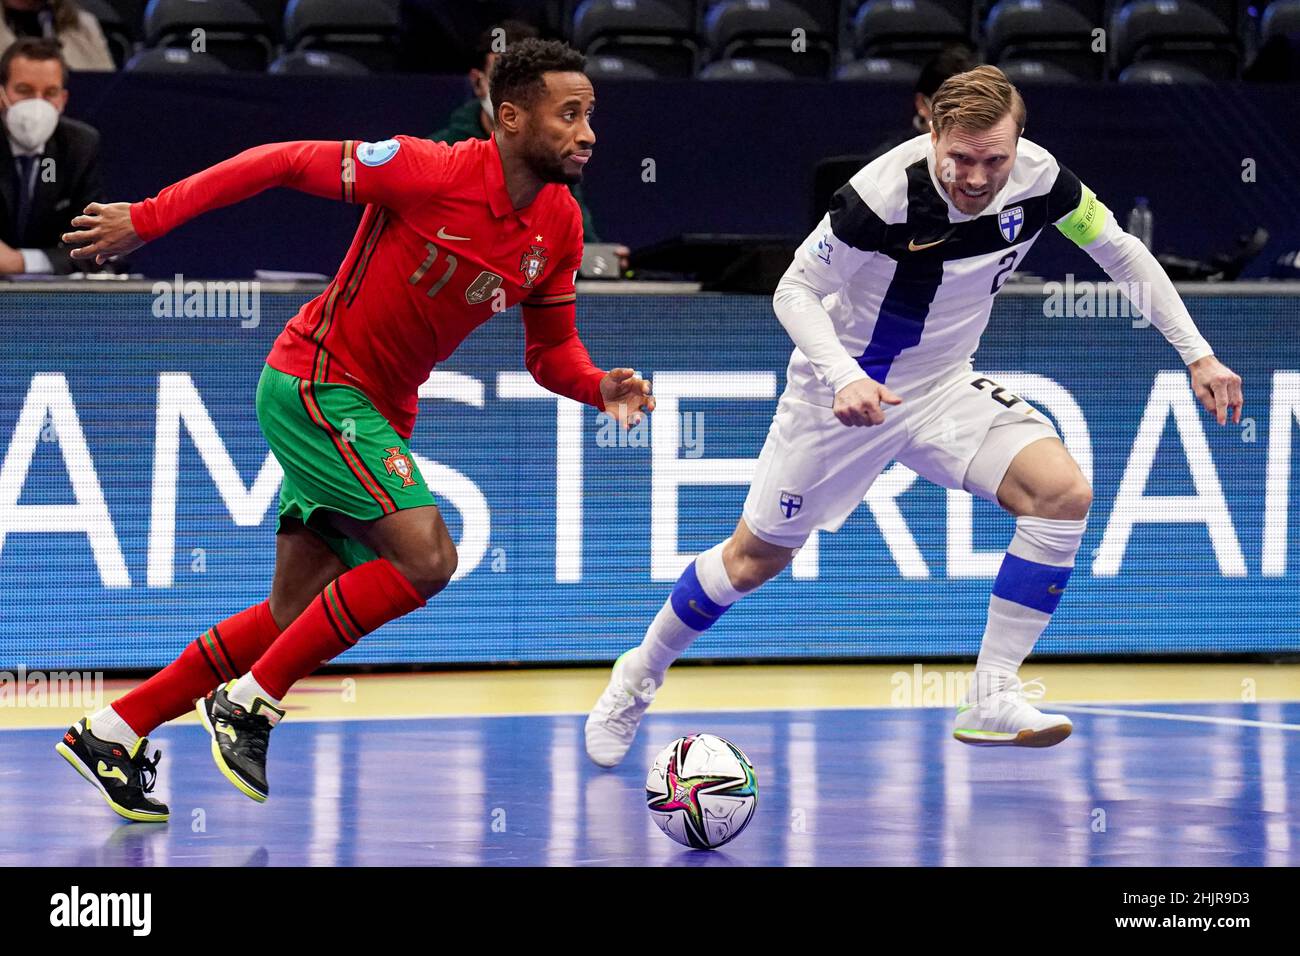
(907, 279)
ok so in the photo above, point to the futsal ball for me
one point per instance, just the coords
(702, 791)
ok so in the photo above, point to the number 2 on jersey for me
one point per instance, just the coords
(1010, 260)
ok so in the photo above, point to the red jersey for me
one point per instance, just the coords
(439, 251)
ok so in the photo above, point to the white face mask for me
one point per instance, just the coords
(31, 122)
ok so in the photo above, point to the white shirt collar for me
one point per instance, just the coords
(19, 151)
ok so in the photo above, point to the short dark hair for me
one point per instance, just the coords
(517, 76)
(948, 62)
(512, 32)
(32, 48)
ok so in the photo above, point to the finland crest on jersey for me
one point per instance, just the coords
(1010, 221)
(791, 503)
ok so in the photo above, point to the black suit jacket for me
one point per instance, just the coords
(62, 191)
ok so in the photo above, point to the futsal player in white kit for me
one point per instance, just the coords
(886, 302)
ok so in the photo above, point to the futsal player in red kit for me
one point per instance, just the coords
(450, 236)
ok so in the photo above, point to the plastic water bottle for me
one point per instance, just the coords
(1141, 222)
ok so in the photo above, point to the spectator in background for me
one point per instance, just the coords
(949, 62)
(834, 171)
(49, 164)
(474, 119)
(84, 46)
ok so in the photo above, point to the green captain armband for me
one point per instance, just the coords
(1086, 222)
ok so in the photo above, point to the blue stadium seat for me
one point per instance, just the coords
(161, 59)
(1281, 19)
(742, 68)
(602, 67)
(825, 14)
(1229, 12)
(687, 11)
(1157, 71)
(1276, 56)
(316, 63)
(879, 70)
(365, 31)
(129, 13)
(233, 32)
(764, 30)
(913, 30)
(1046, 31)
(1030, 71)
(1175, 31)
(655, 33)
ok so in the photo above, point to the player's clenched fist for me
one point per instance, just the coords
(858, 403)
(104, 231)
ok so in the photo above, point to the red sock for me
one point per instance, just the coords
(351, 606)
(225, 652)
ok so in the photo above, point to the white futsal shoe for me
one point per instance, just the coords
(1005, 718)
(611, 726)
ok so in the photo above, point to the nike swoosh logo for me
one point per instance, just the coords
(114, 774)
(699, 610)
(222, 727)
(913, 247)
(443, 234)
(1053, 589)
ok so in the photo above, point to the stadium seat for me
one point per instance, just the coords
(879, 70)
(604, 67)
(687, 11)
(129, 13)
(1175, 31)
(1281, 19)
(764, 30)
(161, 59)
(233, 31)
(367, 32)
(825, 14)
(316, 63)
(1156, 71)
(1059, 32)
(913, 30)
(1229, 12)
(741, 68)
(1030, 71)
(117, 32)
(655, 33)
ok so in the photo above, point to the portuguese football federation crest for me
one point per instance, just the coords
(398, 464)
(531, 264)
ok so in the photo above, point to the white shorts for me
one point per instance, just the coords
(814, 471)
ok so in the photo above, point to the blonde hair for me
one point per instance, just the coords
(976, 100)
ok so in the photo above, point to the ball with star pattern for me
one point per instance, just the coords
(702, 791)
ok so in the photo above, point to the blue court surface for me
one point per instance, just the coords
(1152, 785)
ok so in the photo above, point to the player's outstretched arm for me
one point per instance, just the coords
(390, 173)
(559, 362)
(1126, 260)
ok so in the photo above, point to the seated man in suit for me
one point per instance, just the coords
(49, 164)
